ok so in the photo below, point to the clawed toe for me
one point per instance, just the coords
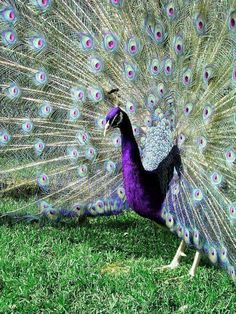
(172, 265)
(191, 273)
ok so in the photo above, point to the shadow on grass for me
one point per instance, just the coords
(127, 235)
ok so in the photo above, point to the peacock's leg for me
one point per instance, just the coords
(177, 257)
(196, 261)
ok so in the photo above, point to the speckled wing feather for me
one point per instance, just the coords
(158, 143)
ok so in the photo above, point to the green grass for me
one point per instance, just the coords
(107, 265)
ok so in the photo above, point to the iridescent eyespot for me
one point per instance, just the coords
(27, 126)
(151, 101)
(101, 122)
(161, 90)
(100, 206)
(133, 46)
(168, 66)
(230, 156)
(159, 34)
(95, 94)
(188, 109)
(207, 112)
(208, 73)
(201, 142)
(44, 206)
(155, 67)
(178, 44)
(121, 193)
(110, 42)
(187, 236)
(42, 4)
(197, 240)
(136, 130)
(78, 94)
(83, 171)
(9, 15)
(74, 114)
(216, 179)
(172, 121)
(187, 77)
(13, 91)
(72, 153)
(117, 3)
(232, 272)
(232, 21)
(223, 254)
(82, 137)
(37, 42)
(148, 121)
(4, 137)
(40, 78)
(45, 110)
(180, 231)
(78, 208)
(171, 10)
(95, 64)
(91, 153)
(43, 180)
(52, 214)
(197, 195)
(170, 221)
(212, 254)
(116, 141)
(9, 37)
(130, 107)
(181, 139)
(110, 166)
(130, 71)
(199, 24)
(232, 211)
(86, 42)
(39, 147)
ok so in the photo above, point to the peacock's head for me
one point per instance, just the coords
(114, 119)
(115, 115)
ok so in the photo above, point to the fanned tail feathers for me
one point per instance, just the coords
(174, 63)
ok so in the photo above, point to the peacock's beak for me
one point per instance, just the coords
(107, 128)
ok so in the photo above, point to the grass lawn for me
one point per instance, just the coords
(107, 265)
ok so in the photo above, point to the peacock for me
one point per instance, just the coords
(158, 79)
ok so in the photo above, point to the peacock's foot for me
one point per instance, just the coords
(192, 272)
(175, 262)
(196, 261)
(172, 265)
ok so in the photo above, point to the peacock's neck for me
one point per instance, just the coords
(130, 152)
(131, 161)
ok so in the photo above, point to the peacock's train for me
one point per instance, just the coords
(160, 76)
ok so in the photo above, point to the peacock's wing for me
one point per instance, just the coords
(157, 145)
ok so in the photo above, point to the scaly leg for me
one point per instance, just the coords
(196, 261)
(177, 257)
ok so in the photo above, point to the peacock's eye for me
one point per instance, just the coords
(115, 120)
